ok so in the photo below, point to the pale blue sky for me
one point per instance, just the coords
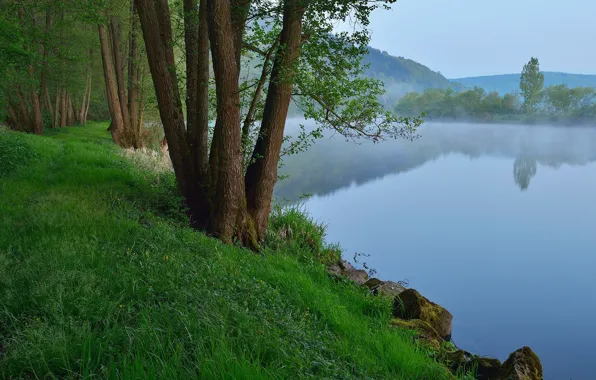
(482, 37)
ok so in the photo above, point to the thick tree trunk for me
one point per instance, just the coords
(191, 40)
(115, 110)
(201, 136)
(133, 75)
(261, 174)
(230, 218)
(158, 46)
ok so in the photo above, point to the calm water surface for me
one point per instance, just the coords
(495, 223)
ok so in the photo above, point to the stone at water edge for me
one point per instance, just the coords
(344, 268)
(390, 289)
(487, 368)
(373, 283)
(410, 304)
(425, 331)
(522, 364)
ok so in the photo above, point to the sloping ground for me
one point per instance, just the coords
(402, 75)
(100, 277)
(508, 83)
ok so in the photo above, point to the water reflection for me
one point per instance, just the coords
(523, 170)
(332, 164)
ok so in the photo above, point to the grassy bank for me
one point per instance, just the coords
(100, 277)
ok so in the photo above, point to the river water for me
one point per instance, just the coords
(497, 223)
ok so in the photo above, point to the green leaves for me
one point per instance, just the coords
(531, 83)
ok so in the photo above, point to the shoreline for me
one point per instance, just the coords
(432, 324)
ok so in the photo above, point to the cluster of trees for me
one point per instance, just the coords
(533, 101)
(194, 51)
(51, 72)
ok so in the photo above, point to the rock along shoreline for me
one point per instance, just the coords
(432, 324)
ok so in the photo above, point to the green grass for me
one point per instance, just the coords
(100, 278)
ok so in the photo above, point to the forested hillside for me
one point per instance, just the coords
(402, 75)
(508, 83)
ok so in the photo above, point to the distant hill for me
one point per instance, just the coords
(402, 75)
(507, 83)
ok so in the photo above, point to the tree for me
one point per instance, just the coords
(523, 170)
(530, 84)
(229, 193)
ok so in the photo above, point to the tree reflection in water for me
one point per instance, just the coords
(523, 170)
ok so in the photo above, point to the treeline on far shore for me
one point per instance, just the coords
(557, 104)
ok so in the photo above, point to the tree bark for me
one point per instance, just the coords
(57, 110)
(133, 75)
(261, 174)
(44, 92)
(63, 109)
(201, 136)
(230, 218)
(249, 119)
(117, 122)
(191, 40)
(115, 32)
(86, 112)
(37, 116)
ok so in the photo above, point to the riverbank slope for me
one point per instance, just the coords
(99, 276)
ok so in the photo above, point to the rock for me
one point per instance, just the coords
(373, 283)
(488, 368)
(522, 364)
(344, 268)
(425, 331)
(390, 289)
(460, 360)
(410, 304)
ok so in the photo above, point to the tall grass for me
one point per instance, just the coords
(101, 278)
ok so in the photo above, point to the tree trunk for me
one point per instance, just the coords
(27, 126)
(44, 92)
(134, 58)
(261, 174)
(116, 113)
(159, 52)
(128, 133)
(230, 217)
(37, 116)
(71, 111)
(57, 110)
(86, 112)
(191, 40)
(63, 112)
(201, 136)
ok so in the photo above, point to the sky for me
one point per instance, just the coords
(462, 38)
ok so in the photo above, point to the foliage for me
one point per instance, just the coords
(401, 75)
(94, 283)
(509, 83)
(559, 104)
(530, 84)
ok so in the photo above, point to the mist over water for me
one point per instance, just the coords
(494, 222)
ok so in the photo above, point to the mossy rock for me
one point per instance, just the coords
(522, 364)
(410, 304)
(343, 268)
(426, 332)
(390, 289)
(463, 361)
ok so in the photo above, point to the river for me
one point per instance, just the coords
(497, 223)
